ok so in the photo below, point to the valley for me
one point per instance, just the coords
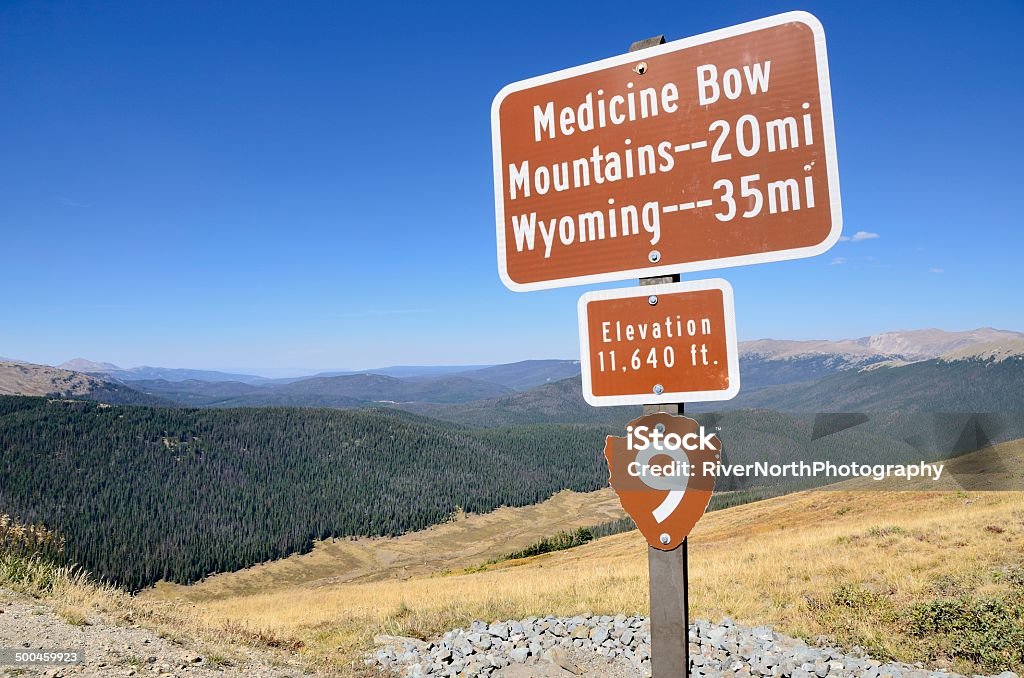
(246, 485)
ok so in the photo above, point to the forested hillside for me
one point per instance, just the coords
(559, 402)
(143, 494)
(966, 385)
(148, 493)
(368, 389)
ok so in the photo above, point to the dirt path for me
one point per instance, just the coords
(27, 624)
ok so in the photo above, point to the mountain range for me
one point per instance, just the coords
(109, 370)
(976, 370)
(907, 345)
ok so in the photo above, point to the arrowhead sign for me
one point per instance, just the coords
(664, 490)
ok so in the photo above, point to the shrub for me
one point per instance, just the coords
(30, 557)
(855, 597)
(984, 631)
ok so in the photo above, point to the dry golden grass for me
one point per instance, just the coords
(77, 600)
(465, 541)
(836, 563)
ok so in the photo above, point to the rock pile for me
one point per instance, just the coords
(484, 648)
(724, 649)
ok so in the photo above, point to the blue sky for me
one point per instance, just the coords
(272, 184)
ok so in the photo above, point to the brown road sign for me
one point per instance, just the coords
(666, 343)
(664, 471)
(713, 151)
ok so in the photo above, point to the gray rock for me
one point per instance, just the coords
(715, 650)
(519, 655)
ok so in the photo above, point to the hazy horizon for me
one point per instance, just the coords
(288, 371)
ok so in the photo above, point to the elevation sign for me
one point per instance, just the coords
(713, 151)
(667, 343)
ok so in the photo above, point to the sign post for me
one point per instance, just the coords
(708, 152)
(658, 344)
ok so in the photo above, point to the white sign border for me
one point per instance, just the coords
(731, 345)
(829, 142)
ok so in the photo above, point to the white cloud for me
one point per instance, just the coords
(859, 236)
(64, 200)
(937, 270)
(837, 261)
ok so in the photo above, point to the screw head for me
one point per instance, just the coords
(665, 539)
(654, 257)
(660, 428)
(658, 389)
(652, 300)
(641, 68)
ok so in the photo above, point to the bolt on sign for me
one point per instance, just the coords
(663, 472)
(659, 344)
(713, 151)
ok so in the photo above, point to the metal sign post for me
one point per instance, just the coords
(668, 570)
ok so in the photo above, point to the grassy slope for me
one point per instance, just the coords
(461, 543)
(846, 564)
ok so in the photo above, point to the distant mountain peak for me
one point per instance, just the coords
(902, 345)
(932, 343)
(29, 379)
(83, 365)
(146, 372)
(996, 351)
(780, 349)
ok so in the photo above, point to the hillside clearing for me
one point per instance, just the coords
(465, 541)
